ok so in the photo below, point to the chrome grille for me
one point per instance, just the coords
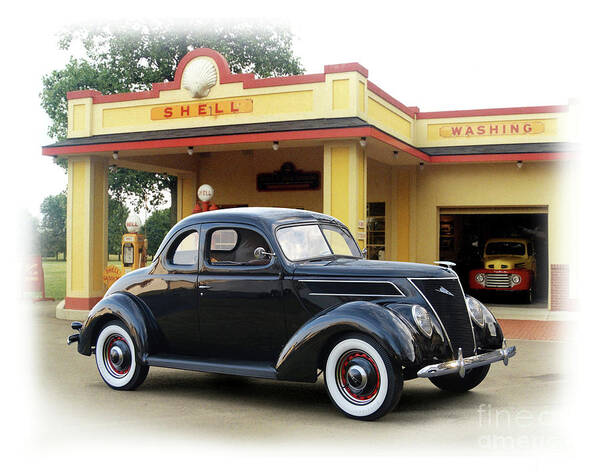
(497, 280)
(451, 311)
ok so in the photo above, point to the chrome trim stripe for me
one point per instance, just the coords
(400, 293)
(354, 295)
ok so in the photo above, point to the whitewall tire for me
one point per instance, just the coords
(360, 379)
(117, 359)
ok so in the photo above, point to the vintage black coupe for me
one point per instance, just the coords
(287, 294)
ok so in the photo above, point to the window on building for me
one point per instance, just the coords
(376, 230)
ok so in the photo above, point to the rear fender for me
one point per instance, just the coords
(132, 312)
(303, 353)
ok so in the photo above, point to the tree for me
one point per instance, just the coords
(53, 228)
(156, 227)
(131, 57)
(117, 215)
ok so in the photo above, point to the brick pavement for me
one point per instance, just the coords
(536, 330)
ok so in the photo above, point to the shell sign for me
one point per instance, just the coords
(493, 128)
(111, 274)
(199, 109)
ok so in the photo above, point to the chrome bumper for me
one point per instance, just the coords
(462, 364)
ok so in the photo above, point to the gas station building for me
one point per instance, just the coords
(410, 185)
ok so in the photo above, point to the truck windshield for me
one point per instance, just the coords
(308, 242)
(510, 248)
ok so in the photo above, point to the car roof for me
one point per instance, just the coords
(512, 240)
(260, 216)
(265, 218)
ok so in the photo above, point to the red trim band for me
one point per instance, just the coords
(334, 133)
(526, 156)
(212, 140)
(410, 111)
(77, 303)
(225, 77)
(493, 112)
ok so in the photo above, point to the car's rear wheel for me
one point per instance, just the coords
(360, 378)
(117, 359)
(457, 384)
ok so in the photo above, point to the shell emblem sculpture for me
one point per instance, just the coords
(199, 77)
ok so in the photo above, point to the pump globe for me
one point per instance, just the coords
(205, 193)
(133, 223)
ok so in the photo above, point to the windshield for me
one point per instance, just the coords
(306, 242)
(511, 248)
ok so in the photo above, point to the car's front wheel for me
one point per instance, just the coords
(457, 384)
(117, 359)
(360, 378)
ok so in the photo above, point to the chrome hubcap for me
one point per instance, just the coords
(357, 377)
(117, 356)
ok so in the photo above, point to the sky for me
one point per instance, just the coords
(434, 55)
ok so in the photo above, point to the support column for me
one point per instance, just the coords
(186, 195)
(402, 218)
(345, 186)
(87, 235)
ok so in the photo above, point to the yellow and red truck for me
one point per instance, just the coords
(509, 265)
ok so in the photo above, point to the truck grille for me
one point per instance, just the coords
(451, 311)
(497, 280)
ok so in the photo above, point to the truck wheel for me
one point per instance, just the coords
(454, 383)
(117, 359)
(529, 296)
(360, 379)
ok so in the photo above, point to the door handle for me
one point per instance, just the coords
(205, 287)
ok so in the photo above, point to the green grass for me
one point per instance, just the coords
(55, 276)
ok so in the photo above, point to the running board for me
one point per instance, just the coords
(262, 370)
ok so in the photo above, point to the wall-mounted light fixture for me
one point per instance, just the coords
(275, 145)
(519, 164)
(363, 142)
(395, 154)
(115, 155)
(190, 150)
(421, 165)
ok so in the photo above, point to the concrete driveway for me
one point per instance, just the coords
(516, 409)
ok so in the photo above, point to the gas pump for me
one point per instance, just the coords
(133, 245)
(205, 193)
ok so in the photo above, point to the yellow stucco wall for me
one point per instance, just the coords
(392, 185)
(87, 226)
(523, 128)
(337, 96)
(542, 184)
(345, 176)
(233, 176)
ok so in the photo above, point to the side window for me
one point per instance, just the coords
(235, 246)
(184, 250)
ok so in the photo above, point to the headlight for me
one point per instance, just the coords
(422, 320)
(475, 310)
(515, 279)
(489, 320)
(479, 278)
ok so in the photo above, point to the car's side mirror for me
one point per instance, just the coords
(364, 253)
(260, 253)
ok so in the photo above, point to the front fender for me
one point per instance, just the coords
(303, 353)
(128, 309)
